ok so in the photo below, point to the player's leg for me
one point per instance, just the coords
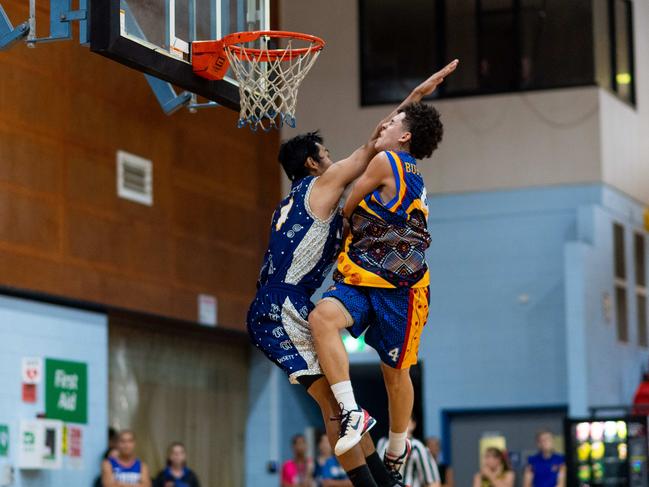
(360, 458)
(381, 475)
(401, 316)
(327, 320)
(341, 307)
(401, 399)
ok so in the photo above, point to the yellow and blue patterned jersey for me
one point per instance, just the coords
(387, 244)
(302, 248)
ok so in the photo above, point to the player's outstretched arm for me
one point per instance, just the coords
(377, 174)
(329, 187)
(419, 93)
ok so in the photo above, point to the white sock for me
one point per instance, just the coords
(344, 394)
(397, 443)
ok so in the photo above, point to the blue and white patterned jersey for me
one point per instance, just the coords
(302, 248)
(126, 474)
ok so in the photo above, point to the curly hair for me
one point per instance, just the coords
(294, 152)
(425, 125)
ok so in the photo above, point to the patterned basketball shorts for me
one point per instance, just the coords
(277, 325)
(393, 318)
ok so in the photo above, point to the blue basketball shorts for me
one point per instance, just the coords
(392, 319)
(278, 326)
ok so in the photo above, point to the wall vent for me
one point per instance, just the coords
(134, 178)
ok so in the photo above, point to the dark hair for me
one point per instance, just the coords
(294, 152)
(112, 433)
(295, 438)
(500, 455)
(423, 122)
(170, 449)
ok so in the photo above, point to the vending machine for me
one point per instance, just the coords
(609, 452)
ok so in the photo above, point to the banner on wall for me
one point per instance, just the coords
(66, 391)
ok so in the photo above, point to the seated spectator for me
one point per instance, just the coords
(495, 471)
(445, 470)
(125, 469)
(299, 470)
(176, 473)
(328, 472)
(547, 468)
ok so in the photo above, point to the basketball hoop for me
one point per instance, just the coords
(269, 79)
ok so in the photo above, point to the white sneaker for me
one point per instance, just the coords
(353, 425)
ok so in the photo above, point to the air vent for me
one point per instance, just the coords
(134, 178)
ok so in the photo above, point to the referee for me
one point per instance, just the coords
(420, 469)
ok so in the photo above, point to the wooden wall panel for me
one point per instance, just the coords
(64, 114)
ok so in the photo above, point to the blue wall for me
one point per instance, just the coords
(31, 329)
(516, 301)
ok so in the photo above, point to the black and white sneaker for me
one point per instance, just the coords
(353, 425)
(394, 464)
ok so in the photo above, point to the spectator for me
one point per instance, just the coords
(444, 469)
(125, 469)
(176, 473)
(547, 468)
(299, 470)
(495, 471)
(420, 469)
(113, 436)
(111, 451)
(328, 472)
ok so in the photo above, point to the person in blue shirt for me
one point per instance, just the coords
(176, 473)
(327, 471)
(547, 468)
(125, 469)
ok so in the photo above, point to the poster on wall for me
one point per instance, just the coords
(75, 447)
(40, 444)
(66, 391)
(32, 370)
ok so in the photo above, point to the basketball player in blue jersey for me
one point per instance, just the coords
(305, 235)
(382, 277)
(125, 469)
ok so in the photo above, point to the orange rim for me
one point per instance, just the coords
(231, 42)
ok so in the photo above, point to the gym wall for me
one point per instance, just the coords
(63, 230)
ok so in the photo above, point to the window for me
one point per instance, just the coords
(620, 284)
(504, 45)
(641, 287)
(398, 50)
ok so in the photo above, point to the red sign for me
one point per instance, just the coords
(74, 442)
(29, 393)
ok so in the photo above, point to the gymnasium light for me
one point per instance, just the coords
(623, 78)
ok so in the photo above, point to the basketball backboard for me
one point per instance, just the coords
(154, 36)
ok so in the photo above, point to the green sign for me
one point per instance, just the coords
(4, 440)
(66, 391)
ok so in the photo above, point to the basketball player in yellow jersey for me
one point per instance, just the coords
(382, 277)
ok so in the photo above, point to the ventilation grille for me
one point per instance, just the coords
(134, 178)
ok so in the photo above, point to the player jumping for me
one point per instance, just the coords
(382, 280)
(304, 241)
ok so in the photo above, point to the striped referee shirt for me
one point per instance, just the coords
(420, 469)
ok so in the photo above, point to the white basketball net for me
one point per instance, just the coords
(268, 89)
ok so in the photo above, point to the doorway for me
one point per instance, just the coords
(370, 393)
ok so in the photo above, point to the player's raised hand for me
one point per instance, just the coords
(431, 84)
